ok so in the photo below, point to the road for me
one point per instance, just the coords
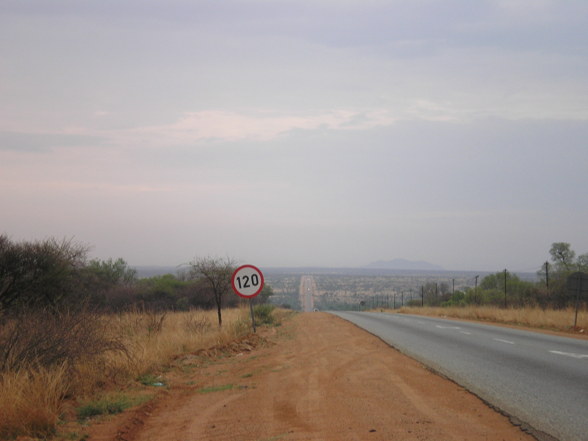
(319, 378)
(307, 292)
(540, 379)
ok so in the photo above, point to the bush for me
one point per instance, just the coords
(46, 339)
(263, 314)
(42, 273)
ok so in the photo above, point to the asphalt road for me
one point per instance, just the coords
(540, 379)
(307, 293)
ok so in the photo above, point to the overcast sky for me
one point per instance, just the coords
(297, 132)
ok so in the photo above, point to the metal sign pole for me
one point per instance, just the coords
(252, 315)
(247, 282)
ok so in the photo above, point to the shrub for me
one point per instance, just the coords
(118, 348)
(38, 273)
(46, 338)
(31, 401)
(263, 314)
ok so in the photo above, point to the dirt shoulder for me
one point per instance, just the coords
(317, 377)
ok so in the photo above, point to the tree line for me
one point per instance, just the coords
(52, 274)
(504, 288)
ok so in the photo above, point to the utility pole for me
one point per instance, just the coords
(476, 289)
(547, 274)
(505, 273)
(422, 295)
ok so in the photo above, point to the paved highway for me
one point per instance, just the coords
(307, 293)
(540, 379)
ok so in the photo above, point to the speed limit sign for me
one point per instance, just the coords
(247, 281)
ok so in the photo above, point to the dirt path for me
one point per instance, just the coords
(317, 378)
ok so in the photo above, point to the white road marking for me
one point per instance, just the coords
(448, 327)
(570, 354)
(466, 332)
(504, 341)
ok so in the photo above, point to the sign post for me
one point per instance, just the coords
(247, 282)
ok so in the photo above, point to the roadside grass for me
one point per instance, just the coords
(548, 319)
(110, 404)
(34, 399)
(207, 390)
(31, 401)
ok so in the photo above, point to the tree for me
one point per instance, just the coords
(562, 256)
(216, 272)
(582, 262)
(167, 291)
(111, 272)
(496, 281)
(565, 263)
(100, 277)
(41, 273)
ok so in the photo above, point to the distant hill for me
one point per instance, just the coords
(403, 264)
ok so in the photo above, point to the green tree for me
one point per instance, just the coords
(582, 262)
(40, 273)
(517, 291)
(564, 263)
(562, 256)
(108, 283)
(166, 291)
(113, 272)
(458, 298)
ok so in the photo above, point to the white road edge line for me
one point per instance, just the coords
(570, 354)
(504, 341)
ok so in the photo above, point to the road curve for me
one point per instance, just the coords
(540, 379)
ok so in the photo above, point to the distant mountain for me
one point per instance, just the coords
(403, 264)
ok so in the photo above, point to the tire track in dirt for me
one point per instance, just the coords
(325, 379)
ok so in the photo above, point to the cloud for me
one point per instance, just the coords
(37, 142)
(263, 126)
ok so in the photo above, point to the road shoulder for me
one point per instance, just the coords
(317, 377)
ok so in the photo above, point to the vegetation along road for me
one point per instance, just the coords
(540, 379)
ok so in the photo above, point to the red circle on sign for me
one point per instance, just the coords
(247, 281)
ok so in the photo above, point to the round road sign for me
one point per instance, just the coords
(247, 281)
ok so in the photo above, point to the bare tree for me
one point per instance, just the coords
(216, 272)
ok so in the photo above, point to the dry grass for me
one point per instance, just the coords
(557, 320)
(32, 398)
(31, 401)
(154, 338)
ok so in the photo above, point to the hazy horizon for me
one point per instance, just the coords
(297, 133)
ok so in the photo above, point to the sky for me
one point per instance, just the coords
(297, 132)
